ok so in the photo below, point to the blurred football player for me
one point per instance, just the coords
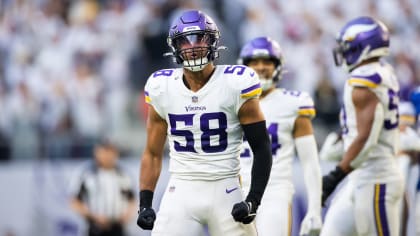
(409, 138)
(204, 110)
(368, 204)
(289, 125)
(415, 100)
(408, 149)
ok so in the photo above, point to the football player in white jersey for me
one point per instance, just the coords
(368, 204)
(204, 110)
(288, 114)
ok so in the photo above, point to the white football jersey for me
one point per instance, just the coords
(281, 108)
(204, 132)
(379, 78)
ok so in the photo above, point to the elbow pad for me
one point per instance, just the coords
(373, 136)
(257, 137)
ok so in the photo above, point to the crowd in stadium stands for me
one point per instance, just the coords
(72, 72)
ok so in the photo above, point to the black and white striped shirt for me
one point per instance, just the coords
(105, 192)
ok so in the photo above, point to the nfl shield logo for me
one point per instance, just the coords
(194, 99)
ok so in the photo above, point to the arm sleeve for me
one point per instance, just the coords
(307, 151)
(257, 136)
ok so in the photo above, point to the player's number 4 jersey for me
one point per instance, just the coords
(281, 108)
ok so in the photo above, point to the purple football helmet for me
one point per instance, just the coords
(361, 39)
(194, 28)
(263, 47)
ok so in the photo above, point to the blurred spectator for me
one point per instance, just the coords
(86, 105)
(104, 194)
(327, 103)
(119, 43)
(23, 113)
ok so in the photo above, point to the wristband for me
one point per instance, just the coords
(146, 198)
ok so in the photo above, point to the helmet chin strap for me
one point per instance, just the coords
(196, 65)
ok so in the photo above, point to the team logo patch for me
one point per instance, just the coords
(194, 99)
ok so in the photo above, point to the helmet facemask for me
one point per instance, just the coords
(194, 49)
(193, 39)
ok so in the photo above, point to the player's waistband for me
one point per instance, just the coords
(204, 176)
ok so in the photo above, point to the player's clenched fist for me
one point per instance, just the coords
(147, 215)
(330, 182)
(146, 218)
(244, 212)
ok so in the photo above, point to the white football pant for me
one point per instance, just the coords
(188, 205)
(366, 210)
(274, 216)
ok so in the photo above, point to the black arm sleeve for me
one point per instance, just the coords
(257, 136)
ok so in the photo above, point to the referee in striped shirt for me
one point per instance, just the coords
(103, 194)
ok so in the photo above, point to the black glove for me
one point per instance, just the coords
(244, 212)
(330, 182)
(147, 216)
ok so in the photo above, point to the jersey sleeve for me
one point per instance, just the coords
(306, 106)
(77, 187)
(370, 81)
(127, 186)
(247, 86)
(155, 88)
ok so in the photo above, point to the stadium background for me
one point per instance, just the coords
(72, 72)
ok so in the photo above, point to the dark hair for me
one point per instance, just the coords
(106, 143)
